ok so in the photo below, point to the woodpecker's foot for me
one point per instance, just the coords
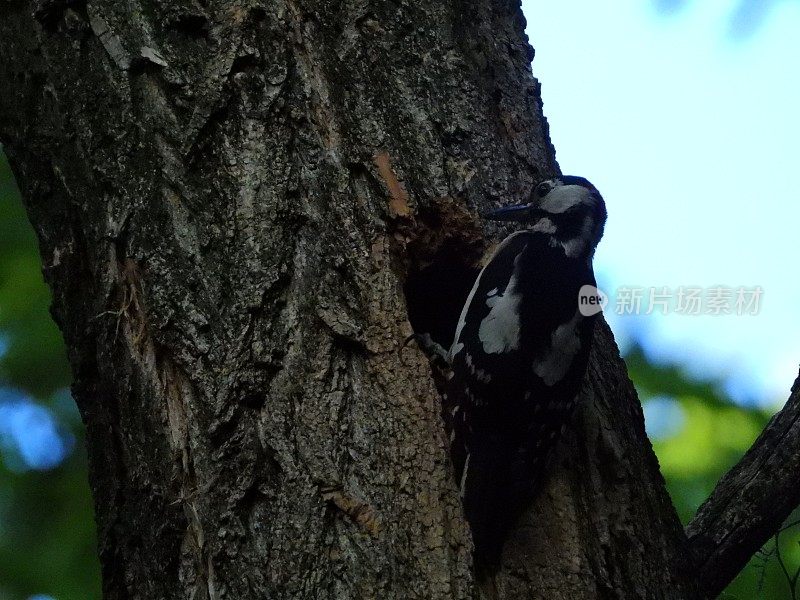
(433, 350)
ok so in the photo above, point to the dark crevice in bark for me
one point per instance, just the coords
(191, 24)
(50, 12)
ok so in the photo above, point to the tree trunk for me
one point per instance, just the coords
(232, 201)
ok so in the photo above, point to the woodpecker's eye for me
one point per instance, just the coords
(543, 189)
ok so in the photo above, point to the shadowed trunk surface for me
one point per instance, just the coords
(230, 198)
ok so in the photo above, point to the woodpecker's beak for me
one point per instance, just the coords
(520, 212)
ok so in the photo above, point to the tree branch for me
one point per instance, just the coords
(750, 502)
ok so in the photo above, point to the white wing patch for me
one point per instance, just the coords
(564, 345)
(462, 320)
(500, 329)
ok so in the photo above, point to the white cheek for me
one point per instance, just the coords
(564, 197)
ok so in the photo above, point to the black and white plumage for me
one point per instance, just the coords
(520, 354)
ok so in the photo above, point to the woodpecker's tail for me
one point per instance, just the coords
(497, 485)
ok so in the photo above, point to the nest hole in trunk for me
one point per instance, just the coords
(444, 261)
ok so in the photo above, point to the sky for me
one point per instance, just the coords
(684, 114)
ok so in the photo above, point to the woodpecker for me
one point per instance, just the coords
(520, 354)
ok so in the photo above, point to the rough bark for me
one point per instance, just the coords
(230, 197)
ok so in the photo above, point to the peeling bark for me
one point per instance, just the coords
(231, 199)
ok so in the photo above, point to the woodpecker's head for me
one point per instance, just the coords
(569, 208)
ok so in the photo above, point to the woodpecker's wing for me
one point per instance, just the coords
(518, 359)
(504, 339)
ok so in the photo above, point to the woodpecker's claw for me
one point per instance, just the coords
(433, 350)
